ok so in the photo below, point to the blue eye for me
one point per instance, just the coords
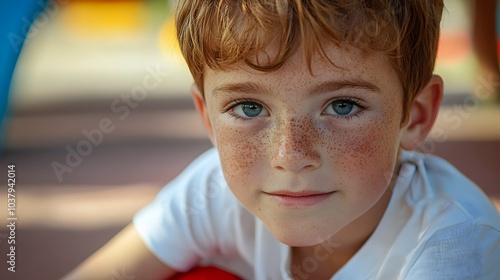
(342, 108)
(249, 110)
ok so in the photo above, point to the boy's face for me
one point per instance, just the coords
(308, 154)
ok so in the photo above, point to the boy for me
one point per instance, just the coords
(313, 107)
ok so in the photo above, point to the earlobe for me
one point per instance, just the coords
(422, 114)
(201, 107)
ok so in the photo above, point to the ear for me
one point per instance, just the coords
(422, 114)
(201, 107)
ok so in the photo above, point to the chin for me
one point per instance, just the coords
(298, 236)
(295, 242)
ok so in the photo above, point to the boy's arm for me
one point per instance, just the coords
(124, 256)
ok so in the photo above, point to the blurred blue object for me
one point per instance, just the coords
(16, 18)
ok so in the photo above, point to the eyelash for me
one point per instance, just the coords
(229, 108)
(356, 102)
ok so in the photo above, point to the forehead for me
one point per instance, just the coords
(296, 74)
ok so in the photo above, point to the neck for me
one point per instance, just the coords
(323, 260)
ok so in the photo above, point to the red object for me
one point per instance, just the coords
(206, 273)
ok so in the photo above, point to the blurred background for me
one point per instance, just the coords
(99, 118)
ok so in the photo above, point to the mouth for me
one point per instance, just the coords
(302, 198)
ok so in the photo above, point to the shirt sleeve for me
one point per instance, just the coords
(465, 251)
(178, 226)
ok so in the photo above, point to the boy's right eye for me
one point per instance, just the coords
(249, 110)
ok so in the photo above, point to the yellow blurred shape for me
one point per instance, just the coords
(167, 40)
(104, 18)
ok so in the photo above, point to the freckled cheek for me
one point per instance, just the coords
(365, 156)
(241, 153)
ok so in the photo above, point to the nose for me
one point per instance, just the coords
(295, 148)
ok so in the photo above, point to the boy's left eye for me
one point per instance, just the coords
(342, 108)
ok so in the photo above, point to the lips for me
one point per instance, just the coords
(301, 198)
(297, 194)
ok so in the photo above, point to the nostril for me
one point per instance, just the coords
(294, 146)
(295, 157)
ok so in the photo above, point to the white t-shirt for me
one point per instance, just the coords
(438, 225)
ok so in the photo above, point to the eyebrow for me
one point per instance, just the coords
(328, 86)
(247, 87)
(331, 86)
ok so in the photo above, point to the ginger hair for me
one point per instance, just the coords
(219, 33)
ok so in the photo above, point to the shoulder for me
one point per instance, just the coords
(458, 226)
(435, 183)
(463, 251)
(200, 191)
(199, 183)
(195, 214)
